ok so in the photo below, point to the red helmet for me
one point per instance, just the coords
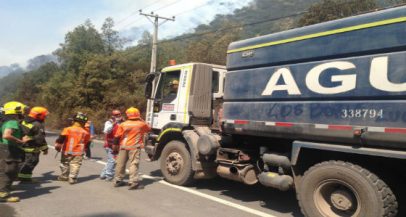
(116, 112)
(132, 113)
(39, 113)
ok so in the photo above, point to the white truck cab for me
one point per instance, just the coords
(174, 91)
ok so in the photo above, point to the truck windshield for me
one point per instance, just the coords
(168, 86)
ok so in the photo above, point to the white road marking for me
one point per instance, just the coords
(101, 162)
(215, 199)
(200, 194)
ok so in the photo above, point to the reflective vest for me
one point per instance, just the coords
(131, 133)
(33, 146)
(76, 139)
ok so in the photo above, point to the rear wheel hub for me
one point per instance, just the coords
(342, 200)
(174, 163)
(335, 198)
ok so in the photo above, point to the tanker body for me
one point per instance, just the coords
(320, 109)
(341, 81)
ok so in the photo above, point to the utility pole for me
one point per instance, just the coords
(156, 23)
(154, 18)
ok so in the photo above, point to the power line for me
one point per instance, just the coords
(195, 8)
(167, 5)
(151, 4)
(130, 24)
(244, 25)
(136, 12)
(254, 23)
(227, 28)
(234, 27)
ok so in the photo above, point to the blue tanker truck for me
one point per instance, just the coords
(319, 109)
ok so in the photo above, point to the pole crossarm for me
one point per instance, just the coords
(152, 14)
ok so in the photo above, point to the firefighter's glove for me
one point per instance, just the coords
(115, 149)
(58, 147)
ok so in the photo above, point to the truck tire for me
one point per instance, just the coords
(176, 163)
(337, 188)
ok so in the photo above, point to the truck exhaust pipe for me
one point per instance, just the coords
(274, 180)
(245, 174)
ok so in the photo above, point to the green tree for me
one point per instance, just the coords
(335, 9)
(29, 88)
(111, 38)
(212, 47)
(79, 45)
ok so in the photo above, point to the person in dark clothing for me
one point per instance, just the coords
(33, 127)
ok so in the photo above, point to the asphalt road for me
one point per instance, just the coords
(92, 197)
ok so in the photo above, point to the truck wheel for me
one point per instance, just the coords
(337, 188)
(176, 163)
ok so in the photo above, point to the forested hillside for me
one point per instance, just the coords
(95, 73)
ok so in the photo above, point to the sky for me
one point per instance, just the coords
(35, 27)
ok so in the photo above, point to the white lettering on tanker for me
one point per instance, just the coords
(348, 82)
(379, 76)
(290, 85)
(362, 113)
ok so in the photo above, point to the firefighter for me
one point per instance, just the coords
(10, 153)
(110, 128)
(128, 142)
(33, 125)
(71, 143)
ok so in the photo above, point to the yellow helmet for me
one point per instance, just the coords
(132, 113)
(14, 108)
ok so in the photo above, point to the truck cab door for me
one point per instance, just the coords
(170, 98)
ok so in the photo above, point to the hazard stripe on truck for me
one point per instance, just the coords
(241, 123)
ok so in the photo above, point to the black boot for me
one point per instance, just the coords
(134, 186)
(119, 183)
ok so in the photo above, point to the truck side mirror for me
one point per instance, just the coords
(148, 85)
(148, 90)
